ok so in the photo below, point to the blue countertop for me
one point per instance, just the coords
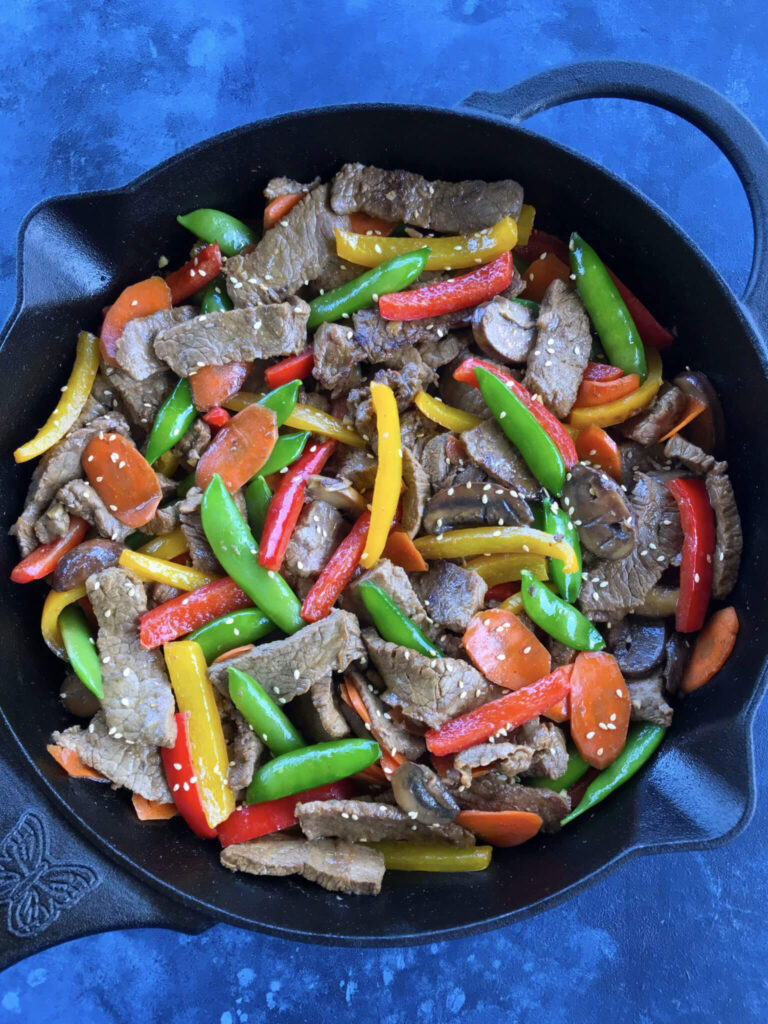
(92, 96)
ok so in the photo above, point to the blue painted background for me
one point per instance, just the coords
(93, 94)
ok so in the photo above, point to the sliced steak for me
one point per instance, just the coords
(547, 740)
(475, 503)
(648, 702)
(728, 539)
(368, 822)
(508, 758)
(557, 362)
(449, 207)
(138, 701)
(235, 335)
(429, 690)
(393, 736)
(137, 766)
(405, 383)
(487, 446)
(288, 667)
(166, 519)
(439, 460)
(192, 445)
(416, 496)
(318, 712)
(80, 499)
(357, 466)
(245, 751)
(52, 524)
(504, 329)
(560, 654)
(336, 357)
(677, 449)
(282, 186)
(134, 350)
(332, 863)
(493, 792)
(200, 550)
(649, 426)
(379, 339)
(396, 583)
(416, 430)
(451, 595)
(319, 531)
(141, 400)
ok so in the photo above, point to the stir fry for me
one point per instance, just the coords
(375, 536)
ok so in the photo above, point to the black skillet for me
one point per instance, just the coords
(74, 859)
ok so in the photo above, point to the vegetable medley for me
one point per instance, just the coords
(375, 538)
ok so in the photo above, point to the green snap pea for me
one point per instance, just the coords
(559, 524)
(215, 226)
(392, 624)
(257, 499)
(282, 400)
(558, 618)
(287, 449)
(233, 630)
(215, 298)
(263, 715)
(234, 546)
(137, 538)
(174, 418)
(78, 643)
(317, 765)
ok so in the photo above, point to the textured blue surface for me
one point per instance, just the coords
(92, 95)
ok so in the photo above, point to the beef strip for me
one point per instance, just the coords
(319, 531)
(138, 701)
(729, 540)
(559, 654)
(134, 350)
(334, 274)
(378, 338)
(418, 490)
(492, 792)
(429, 690)
(451, 595)
(445, 206)
(557, 362)
(405, 383)
(677, 449)
(80, 499)
(439, 462)
(332, 863)
(296, 251)
(368, 822)
(282, 186)
(57, 467)
(192, 445)
(141, 400)
(357, 466)
(234, 335)
(547, 740)
(506, 757)
(245, 749)
(200, 550)
(635, 458)
(288, 667)
(504, 329)
(416, 431)
(611, 590)
(318, 714)
(336, 357)
(52, 524)
(648, 703)
(165, 519)
(137, 766)
(649, 426)
(159, 593)
(396, 583)
(487, 446)
(392, 735)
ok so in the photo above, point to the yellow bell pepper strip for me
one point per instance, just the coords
(305, 417)
(525, 224)
(611, 413)
(433, 857)
(447, 416)
(389, 473)
(496, 540)
(159, 570)
(73, 398)
(194, 693)
(168, 463)
(55, 604)
(451, 252)
(507, 568)
(169, 546)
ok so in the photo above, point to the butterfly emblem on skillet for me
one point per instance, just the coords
(36, 890)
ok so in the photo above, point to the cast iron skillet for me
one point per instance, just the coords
(74, 859)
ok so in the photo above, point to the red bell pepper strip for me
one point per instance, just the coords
(698, 522)
(600, 392)
(337, 572)
(293, 368)
(187, 612)
(180, 774)
(286, 504)
(499, 716)
(563, 440)
(195, 274)
(501, 591)
(602, 371)
(254, 820)
(46, 557)
(217, 417)
(448, 296)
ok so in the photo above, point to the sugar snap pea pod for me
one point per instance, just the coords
(282, 400)
(555, 520)
(231, 630)
(287, 449)
(217, 226)
(257, 499)
(392, 624)
(78, 643)
(558, 618)
(215, 298)
(263, 715)
(174, 418)
(403, 856)
(309, 767)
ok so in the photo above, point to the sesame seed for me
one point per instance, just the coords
(600, 751)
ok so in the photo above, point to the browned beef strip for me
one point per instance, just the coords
(367, 822)
(547, 740)
(451, 595)
(504, 329)
(416, 430)
(192, 445)
(611, 590)
(57, 467)
(200, 550)
(418, 490)
(487, 446)
(649, 426)
(332, 863)
(445, 206)
(53, 523)
(396, 583)
(80, 499)
(141, 400)
(234, 335)
(319, 531)
(559, 653)
(437, 460)
(492, 792)
(334, 274)
(357, 466)
(318, 712)
(677, 449)
(460, 395)
(282, 186)
(159, 593)
(380, 339)
(244, 747)
(635, 458)
(296, 251)
(648, 703)
(406, 383)
(137, 766)
(134, 350)
(506, 757)
(728, 538)
(557, 362)
(429, 690)
(165, 519)
(138, 701)
(393, 736)
(337, 355)
(288, 667)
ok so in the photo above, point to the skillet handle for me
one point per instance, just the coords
(732, 132)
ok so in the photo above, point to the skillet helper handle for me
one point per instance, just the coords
(733, 133)
(55, 886)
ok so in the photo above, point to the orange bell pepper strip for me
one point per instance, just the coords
(152, 810)
(611, 413)
(389, 473)
(279, 207)
(122, 478)
(712, 649)
(600, 708)
(136, 300)
(596, 446)
(501, 647)
(599, 392)
(540, 274)
(214, 385)
(501, 828)
(400, 550)
(240, 449)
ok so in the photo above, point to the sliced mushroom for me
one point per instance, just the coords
(81, 562)
(422, 795)
(476, 503)
(337, 491)
(637, 645)
(660, 602)
(600, 512)
(707, 431)
(77, 698)
(504, 329)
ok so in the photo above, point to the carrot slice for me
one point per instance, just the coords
(401, 550)
(240, 448)
(712, 649)
(501, 828)
(152, 810)
(122, 478)
(277, 209)
(389, 760)
(597, 446)
(362, 224)
(559, 712)
(243, 649)
(600, 708)
(72, 764)
(505, 650)
(692, 409)
(214, 385)
(540, 274)
(598, 392)
(137, 300)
